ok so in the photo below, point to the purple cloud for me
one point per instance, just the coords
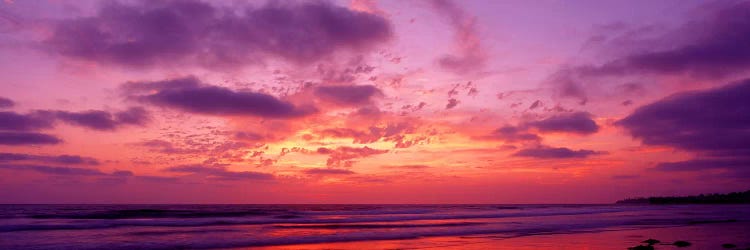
(470, 56)
(27, 138)
(150, 33)
(328, 171)
(93, 119)
(512, 134)
(347, 95)
(577, 123)
(718, 46)
(188, 94)
(702, 164)
(98, 119)
(714, 123)
(19, 122)
(546, 152)
(716, 120)
(58, 159)
(711, 46)
(452, 103)
(6, 103)
(133, 116)
(53, 169)
(219, 172)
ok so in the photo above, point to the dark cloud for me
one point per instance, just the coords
(19, 122)
(717, 46)
(150, 33)
(512, 134)
(348, 95)
(133, 116)
(93, 119)
(219, 172)
(189, 95)
(27, 138)
(328, 171)
(711, 46)
(122, 173)
(6, 103)
(710, 120)
(573, 123)
(546, 152)
(57, 159)
(714, 123)
(136, 87)
(452, 103)
(99, 119)
(577, 123)
(703, 164)
(535, 105)
(53, 169)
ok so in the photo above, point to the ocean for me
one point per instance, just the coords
(243, 226)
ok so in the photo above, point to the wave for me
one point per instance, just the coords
(90, 223)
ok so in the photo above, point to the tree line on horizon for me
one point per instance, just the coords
(729, 198)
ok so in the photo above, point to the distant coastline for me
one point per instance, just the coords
(729, 198)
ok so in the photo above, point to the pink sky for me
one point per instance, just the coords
(372, 101)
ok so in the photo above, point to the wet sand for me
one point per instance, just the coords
(701, 236)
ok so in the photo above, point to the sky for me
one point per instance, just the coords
(360, 101)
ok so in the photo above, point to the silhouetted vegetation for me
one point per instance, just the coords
(730, 198)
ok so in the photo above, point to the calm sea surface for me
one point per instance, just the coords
(230, 226)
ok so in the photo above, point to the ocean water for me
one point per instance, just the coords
(239, 226)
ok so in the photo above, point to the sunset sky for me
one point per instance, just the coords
(365, 101)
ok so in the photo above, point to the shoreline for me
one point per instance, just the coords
(701, 236)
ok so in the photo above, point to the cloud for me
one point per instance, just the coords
(710, 46)
(470, 55)
(219, 172)
(347, 95)
(546, 152)
(99, 119)
(152, 33)
(452, 103)
(133, 115)
(710, 120)
(389, 132)
(6, 103)
(93, 119)
(343, 156)
(190, 95)
(703, 164)
(328, 171)
(572, 123)
(122, 173)
(512, 134)
(53, 169)
(713, 123)
(406, 166)
(717, 46)
(57, 159)
(576, 123)
(27, 138)
(19, 122)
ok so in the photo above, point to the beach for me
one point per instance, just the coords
(703, 236)
(369, 226)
